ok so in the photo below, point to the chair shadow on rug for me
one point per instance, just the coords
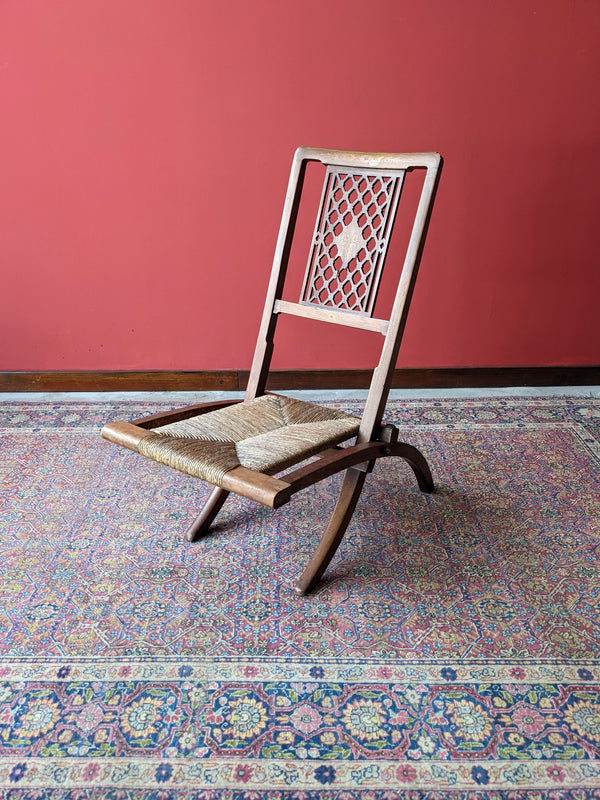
(240, 446)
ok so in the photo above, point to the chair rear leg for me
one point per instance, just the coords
(206, 517)
(331, 538)
(418, 464)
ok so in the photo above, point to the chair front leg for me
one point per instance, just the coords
(333, 535)
(206, 517)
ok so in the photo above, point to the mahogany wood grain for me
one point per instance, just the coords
(125, 434)
(264, 489)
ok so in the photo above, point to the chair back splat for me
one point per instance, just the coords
(240, 446)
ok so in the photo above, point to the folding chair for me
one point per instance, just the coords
(240, 446)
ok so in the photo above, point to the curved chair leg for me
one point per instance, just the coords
(331, 538)
(206, 517)
(417, 462)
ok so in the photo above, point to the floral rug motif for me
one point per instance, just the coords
(451, 651)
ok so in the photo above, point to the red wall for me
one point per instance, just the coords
(145, 147)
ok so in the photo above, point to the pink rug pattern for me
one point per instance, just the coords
(452, 648)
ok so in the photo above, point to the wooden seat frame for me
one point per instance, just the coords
(374, 440)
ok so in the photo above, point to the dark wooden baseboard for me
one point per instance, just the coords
(235, 380)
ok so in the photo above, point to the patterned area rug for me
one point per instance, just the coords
(452, 651)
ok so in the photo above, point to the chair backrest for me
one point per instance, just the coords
(357, 212)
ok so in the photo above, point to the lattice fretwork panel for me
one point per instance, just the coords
(350, 240)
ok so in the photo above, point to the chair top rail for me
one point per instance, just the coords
(388, 161)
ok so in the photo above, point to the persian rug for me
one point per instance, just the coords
(451, 651)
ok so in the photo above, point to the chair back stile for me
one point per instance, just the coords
(264, 344)
(383, 373)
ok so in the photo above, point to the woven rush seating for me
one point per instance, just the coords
(267, 434)
(261, 447)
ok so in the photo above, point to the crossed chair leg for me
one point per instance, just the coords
(331, 538)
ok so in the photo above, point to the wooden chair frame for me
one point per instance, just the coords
(373, 440)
